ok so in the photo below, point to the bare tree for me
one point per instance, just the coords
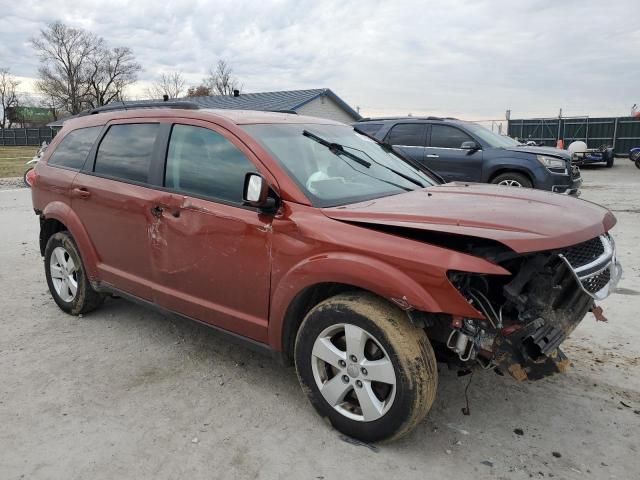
(66, 54)
(171, 84)
(221, 80)
(109, 73)
(8, 95)
(199, 91)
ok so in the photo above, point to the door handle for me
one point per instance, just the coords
(431, 155)
(81, 192)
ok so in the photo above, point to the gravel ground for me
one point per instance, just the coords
(128, 393)
(8, 183)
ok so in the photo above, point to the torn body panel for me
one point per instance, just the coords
(529, 315)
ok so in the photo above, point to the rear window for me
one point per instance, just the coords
(74, 148)
(126, 150)
(368, 128)
(408, 134)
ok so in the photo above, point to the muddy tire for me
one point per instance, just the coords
(365, 368)
(66, 276)
(512, 179)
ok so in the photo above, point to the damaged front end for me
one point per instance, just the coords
(530, 313)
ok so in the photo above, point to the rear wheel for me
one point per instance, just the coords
(66, 276)
(365, 367)
(512, 179)
(610, 160)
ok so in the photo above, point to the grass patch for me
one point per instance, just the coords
(13, 159)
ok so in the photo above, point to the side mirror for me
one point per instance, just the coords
(256, 192)
(469, 145)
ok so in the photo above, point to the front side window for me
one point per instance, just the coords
(369, 128)
(407, 134)
(126, 150)
(443, 136)
(202, 162)
(74, 148)
(351, 168)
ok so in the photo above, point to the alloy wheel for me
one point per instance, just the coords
(64, 274)
(353, 372)
(510, 183)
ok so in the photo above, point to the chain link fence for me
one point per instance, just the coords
(17, 137)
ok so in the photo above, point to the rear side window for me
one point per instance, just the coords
(74, 148)
(408, 134)
(204, 163)
(443, 136)
(370, 128)
(126, 150)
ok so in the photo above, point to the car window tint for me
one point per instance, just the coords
(203, 162)
(409, 134)
(369, 128)
(443, 136)
(126, 150)
(74, 148)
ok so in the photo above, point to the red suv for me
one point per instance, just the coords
(319, 244)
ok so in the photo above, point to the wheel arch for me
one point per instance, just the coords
(511, 169)
(58, 216)
(317, 279)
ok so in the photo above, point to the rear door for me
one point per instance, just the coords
(211, 255)
(409, 139)
(113, 197)
(445, 156)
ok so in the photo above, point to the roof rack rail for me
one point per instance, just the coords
(136, 105)
(292, 112)
(380, 119)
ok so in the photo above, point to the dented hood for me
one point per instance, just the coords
(523, 219)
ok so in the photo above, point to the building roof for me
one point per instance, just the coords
(286, 100)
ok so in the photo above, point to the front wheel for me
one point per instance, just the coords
(638, 162)
(365, 367)
(512, 179)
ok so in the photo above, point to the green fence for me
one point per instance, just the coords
(26, 136)
(622, 133)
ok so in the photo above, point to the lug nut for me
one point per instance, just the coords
(342, 363)
(363, 370)
(358, 384)
(353, 358)
(345, 379)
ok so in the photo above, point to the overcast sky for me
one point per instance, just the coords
(471, 60)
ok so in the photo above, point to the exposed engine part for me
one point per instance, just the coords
(462, 344)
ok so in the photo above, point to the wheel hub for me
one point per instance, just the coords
(353, 372)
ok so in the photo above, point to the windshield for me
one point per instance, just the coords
(353, 168)
(493, 139)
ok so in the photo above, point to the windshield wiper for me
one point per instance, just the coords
(400, 174)
(336, 148)
(405, 158)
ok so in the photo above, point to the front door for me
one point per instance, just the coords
(211, 255)
(409, 139)
(445, 156)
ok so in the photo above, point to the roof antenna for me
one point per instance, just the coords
(236, 93)
(165, 98)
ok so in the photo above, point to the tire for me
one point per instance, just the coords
(411, 376)
(634, 156)
(24, 177)
(638, 162)
(66, 277)
(512, 179)
(610, 161)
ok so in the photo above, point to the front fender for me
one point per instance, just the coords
(368, 274)
(64, 214)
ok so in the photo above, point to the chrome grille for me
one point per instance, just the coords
(584, 253)
(597, 282)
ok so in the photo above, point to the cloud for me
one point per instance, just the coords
(470, 59)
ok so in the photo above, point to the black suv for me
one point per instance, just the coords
(465, 151)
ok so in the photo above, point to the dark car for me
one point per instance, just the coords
(467, 152)
(321, 246)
